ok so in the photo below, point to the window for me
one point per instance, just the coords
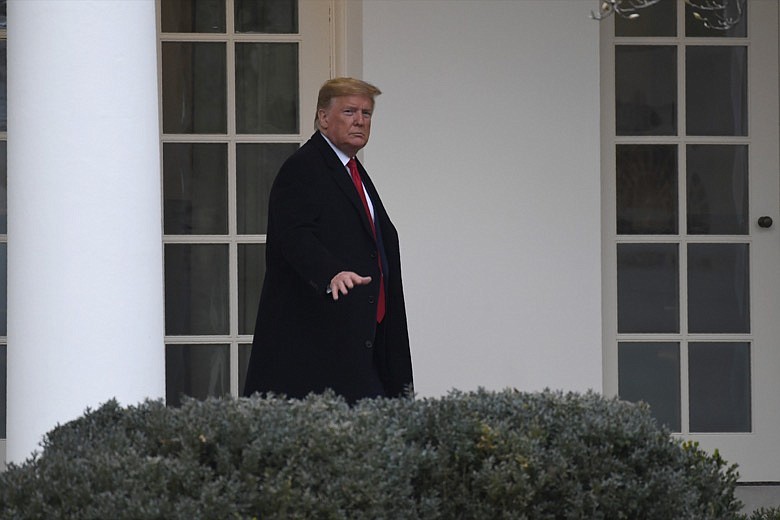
(681, 335)
(238, 84)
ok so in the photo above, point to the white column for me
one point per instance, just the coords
(85, 282)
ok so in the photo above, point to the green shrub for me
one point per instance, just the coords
(772, 513)
(481, 455)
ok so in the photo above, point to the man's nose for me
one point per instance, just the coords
(359, 118)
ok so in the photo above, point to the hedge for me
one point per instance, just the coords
(771, 513)
(479, 455)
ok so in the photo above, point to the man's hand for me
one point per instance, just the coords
(346, 280)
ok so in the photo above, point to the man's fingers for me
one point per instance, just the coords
(337, 287)
(346, 280)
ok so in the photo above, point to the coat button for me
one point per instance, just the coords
(371, 299)
(373, 254)
(369, 343)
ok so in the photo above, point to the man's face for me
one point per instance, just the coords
(347, 122)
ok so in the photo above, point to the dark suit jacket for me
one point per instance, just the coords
(304, 340)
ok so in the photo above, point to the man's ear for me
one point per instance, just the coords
(322, 118)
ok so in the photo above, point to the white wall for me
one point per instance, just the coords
(485, 147)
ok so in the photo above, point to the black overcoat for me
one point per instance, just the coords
(304, 340)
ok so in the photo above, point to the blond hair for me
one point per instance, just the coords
(338, 87)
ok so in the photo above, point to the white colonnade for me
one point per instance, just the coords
(85, 278)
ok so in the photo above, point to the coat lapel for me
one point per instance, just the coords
(341, 177)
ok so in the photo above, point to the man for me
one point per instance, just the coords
(332, 309)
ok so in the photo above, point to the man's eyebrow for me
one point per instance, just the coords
(355, 107)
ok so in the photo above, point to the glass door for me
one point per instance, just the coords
(239, 81)
(692, 264)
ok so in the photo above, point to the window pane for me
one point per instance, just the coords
(196, 289)
(716, 90)
(266, 16)
(3, 289)
(695, 26)
(3, 188)
(3, 389)
(717, 189)
(256, 168)
(251, 272)
(650, 372)
(646, 90)
(195, 188)
(3, 86)
(719, 385)
(648, 288)
(267, 88)
(198, 371)
(647, 189)
(657, 20)
(244, 351)
(718, 288)
(194, 86)
(193, 16)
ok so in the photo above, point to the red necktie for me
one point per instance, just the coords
(380, 307)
